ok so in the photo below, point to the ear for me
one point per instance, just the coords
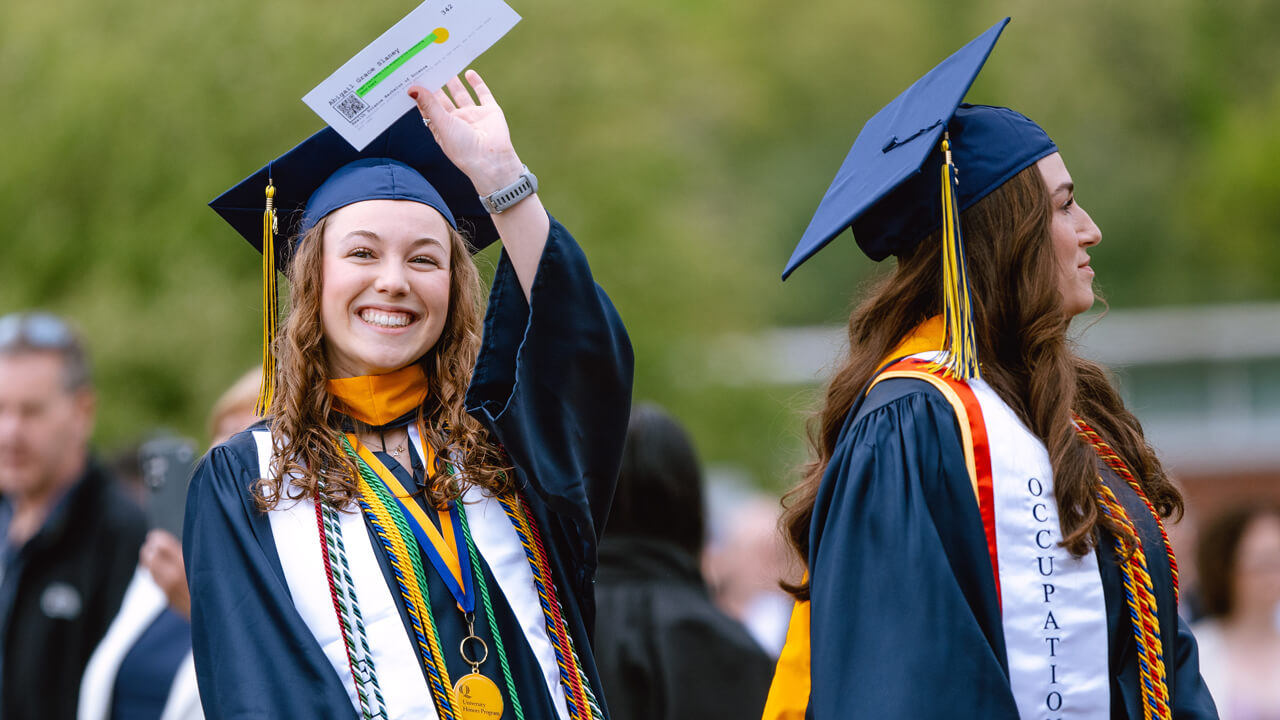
(85, 402)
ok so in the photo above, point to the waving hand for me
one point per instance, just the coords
(472, 132)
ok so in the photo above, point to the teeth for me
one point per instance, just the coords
(385, 319)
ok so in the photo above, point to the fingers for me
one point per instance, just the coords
(458, 91)
(161, 550)
(154, 544)
(429, 103)
(419, 95)
(162, 557)
(163, 541)
(454, 95)
(434, 105)
(483, 95)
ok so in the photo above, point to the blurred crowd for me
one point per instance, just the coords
(94, 607)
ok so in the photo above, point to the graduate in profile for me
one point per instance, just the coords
(411, 532)
(983, 525)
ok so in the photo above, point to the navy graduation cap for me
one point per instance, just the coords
(324, 173)
(899, 181)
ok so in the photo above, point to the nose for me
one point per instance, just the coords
(1087, 230)
(392, 279)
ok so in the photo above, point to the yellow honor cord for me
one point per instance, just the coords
(961, 341)
(270, 303)
(444, 540)
(412, 591)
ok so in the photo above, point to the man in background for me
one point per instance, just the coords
(69, 537)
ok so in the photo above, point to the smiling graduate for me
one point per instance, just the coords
(411, 532)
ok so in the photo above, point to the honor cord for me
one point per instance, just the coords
(1139, 589)
(343, 592)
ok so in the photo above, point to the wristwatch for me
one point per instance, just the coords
(503, 198)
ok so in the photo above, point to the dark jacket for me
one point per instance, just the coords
(664, 651)
(73, 576)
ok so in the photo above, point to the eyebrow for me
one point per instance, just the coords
(427, 241)
(374, 236)
(1069, 186)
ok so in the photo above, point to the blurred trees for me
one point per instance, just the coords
(685, 142)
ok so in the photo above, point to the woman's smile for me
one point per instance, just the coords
(386, 319)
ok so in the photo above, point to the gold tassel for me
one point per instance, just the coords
(270, 309)
(961, 343)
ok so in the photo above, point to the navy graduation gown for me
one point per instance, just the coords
(905, 618)
(553, 385)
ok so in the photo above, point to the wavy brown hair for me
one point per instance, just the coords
(306, 430)
(1026, 358)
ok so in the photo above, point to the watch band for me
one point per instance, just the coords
(503, 198)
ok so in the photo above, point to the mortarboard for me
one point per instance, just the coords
(323, 173)
(317, 177)
(899, 181)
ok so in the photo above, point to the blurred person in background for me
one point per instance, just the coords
(744, 567)
(71, 535)
(664, 650)
(235, 409)
(143, 668)
(1238, 559)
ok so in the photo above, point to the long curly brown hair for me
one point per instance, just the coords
(306, 430)
(1026, 358)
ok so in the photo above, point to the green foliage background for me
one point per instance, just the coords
(686, 143)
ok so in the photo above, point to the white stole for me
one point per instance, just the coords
(404, 689)
(1053, 609)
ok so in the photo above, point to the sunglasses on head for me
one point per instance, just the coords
(37, 330)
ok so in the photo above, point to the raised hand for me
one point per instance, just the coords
(472, 132)
(162, 555)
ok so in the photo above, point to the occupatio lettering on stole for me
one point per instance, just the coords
(1044, 541)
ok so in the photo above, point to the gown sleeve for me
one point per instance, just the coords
(553, 383)
(905, 619)
(1191, 699)
(254, 656)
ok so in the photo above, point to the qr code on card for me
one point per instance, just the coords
(350, 106)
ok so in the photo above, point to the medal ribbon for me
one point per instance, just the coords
(444, 548)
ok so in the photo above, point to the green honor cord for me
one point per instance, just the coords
(375, 483)
(379, 489)
(488, 610)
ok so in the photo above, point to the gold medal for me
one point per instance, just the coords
(476, 697)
